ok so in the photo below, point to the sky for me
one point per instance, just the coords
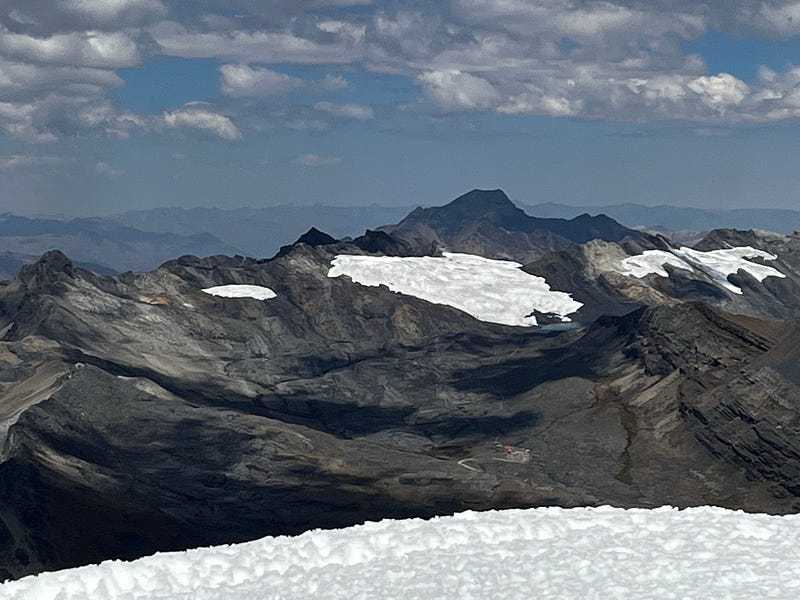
(111, 105)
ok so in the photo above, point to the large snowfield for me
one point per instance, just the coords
(515, 554)
(717, 264)
(496, 291)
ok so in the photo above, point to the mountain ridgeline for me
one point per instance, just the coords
(488, 223)
(168, 409)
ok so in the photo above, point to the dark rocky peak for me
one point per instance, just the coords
(495, 208)
(52, 267)
(380, 242)
(491, 205)
(586, 227)
(315, 237)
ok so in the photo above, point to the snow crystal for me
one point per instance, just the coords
(241, 291)
(716, 264)
(515, 554)
(496, 291)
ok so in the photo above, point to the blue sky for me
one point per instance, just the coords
(107, 106)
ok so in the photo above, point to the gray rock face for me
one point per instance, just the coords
(141, 414)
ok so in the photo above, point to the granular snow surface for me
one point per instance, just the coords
(716, 264)
(496, 291)
(587, 553)
(241, 291)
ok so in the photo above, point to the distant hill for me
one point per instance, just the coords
(260, 232)
(679, 218)
(103, 245)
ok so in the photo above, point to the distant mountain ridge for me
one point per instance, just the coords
(680, 218)
(260, 232)
(98, 244)
(488, 223)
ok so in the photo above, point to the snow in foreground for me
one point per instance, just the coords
(496, 291)
(242, 291)
(515, 554)
(717, 264)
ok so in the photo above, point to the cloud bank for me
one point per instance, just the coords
(612, 59)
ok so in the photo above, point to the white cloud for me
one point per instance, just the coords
(17, 120)
(251, 46)
(598, 59)
(202, 119)
(10, 162)
(333, 83)
(306, 125)
(106, 170)
(315, 160)
(242, 80)
(79, 49)
(453, 90)
(349, 111)
(720, 91)
(19, 80)
(109, 10)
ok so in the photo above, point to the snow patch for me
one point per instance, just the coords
(241, 291)
(587, 553)
(495, 291)
(716, 264)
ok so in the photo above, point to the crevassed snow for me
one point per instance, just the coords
(496, 291)
(241, 291)
(717, 264)
(586, 553)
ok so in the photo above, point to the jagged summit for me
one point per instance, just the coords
(488, 223)
(315, 237)
(491, 205)
(52, 266)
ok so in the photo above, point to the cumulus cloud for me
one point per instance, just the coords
(10, 162)
(720, 91)
(453, 90)
(204, 120)
(315, 160)
(242, 80)
(348, 111)
(88, 48)
(104, 169)
(252, 46)
(43, 17)
(597, 59)
(17, 120)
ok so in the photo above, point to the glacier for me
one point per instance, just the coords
(495, 291)
(716, 264)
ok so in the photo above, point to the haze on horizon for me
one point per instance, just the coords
(110, 105)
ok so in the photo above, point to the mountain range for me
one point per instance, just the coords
(469, 357)
(679, 218)
(144, 239)
(98, 244)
